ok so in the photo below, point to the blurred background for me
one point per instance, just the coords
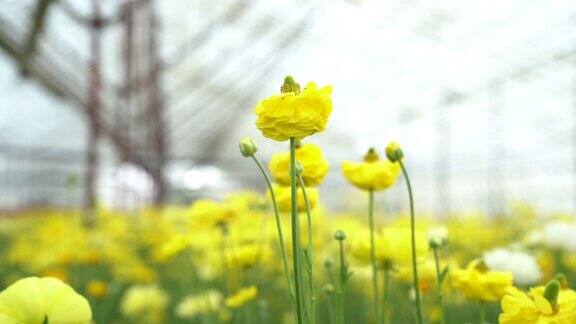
(133, 102)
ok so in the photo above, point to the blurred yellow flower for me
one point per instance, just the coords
(97, 288)
(247, 255)
(210, 212)
(283, 198)
(31, 300)
(477, 282)
(393, 245)
(293, 113)
(534, 308)
(242, 297)
(314, 166)
(192, 305)
(146, 303)
(371, 174)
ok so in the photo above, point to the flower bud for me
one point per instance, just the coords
(436, 242)
(340, 235)
(394, 152)
(551, 293)
(328, 263)
(248, 147)
(371, 156)
(290, 85)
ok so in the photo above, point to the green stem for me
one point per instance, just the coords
(311, 293)
(278, 225)
(373, 256)
(295, 233)
(413, 234)
(482, 319)
(224, 259)
(439, 280)
(386, 293)
(342, 284)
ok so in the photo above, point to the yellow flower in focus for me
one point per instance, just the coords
(242, 297)
(534, 308)
(477, 282)
(283, 198)
(293, 113)
(205, 303)
(145, 302)
(371, 174)
(32, 300)
(315, 167)
(97, 288)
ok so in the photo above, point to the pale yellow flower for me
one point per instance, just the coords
(533, 308)
(32, 300)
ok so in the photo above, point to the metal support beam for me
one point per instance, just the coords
(38, 22)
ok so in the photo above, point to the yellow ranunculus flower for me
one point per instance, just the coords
(294, 113)
(283, 198)
(372, 174)
(210, 212)
(242, 296)
(477, 282)
(315, 166)
(533, 308)
(32, 300)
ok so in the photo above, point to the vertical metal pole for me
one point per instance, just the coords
(94, 107)
(155, 108)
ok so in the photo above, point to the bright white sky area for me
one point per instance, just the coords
(492, 81)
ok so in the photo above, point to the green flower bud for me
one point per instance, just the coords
(371, 156)
(328, 263)
(394, 152)
(248, 147)
(340, 235)
(551, 293)
(436, 242)
(290, 85)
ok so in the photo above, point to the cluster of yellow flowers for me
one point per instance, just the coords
(226, 260)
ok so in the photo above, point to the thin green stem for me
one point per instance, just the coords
(373, 256)
(342, 284)
(311, 292)
(482, 318)
(386, 293)
(278, 225)
(413, 238)
(439, 280)
(295, 233)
